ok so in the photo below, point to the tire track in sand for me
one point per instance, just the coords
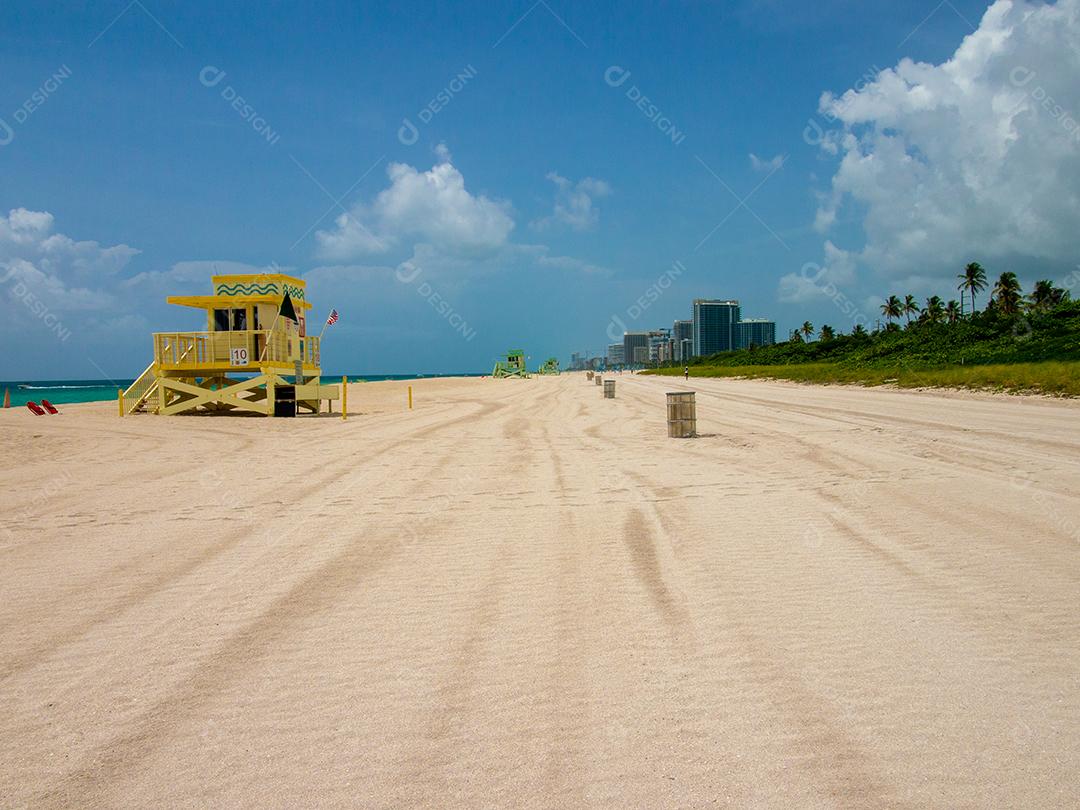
(314, 595)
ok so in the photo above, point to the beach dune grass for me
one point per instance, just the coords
(1060, 378)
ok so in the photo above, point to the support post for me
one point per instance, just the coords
(410, 397)
(344, 398)
(120, 400)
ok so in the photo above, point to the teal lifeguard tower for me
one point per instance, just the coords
(512, 366)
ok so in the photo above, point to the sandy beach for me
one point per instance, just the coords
(522, 594)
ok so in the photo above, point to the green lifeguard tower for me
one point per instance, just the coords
(512, 366)
(551, 366)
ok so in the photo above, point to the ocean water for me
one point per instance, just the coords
(59, 392)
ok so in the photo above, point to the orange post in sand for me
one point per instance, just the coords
(7, 397)
(410, 397)
(344, 398)
(120, 400)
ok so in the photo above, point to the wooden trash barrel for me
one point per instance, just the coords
(681, 415)
(599, 379)
(588, 375)
(609, 389)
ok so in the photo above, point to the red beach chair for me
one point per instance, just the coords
(48, 406)
(35, 409)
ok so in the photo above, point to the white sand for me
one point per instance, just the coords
(522, 594)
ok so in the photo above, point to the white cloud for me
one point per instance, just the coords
(54, 287)
(540, 256)
(574, 202)
(59, 272)
(432, 206)
(768, 166)
(428, 222)
(976, 157)
(815, 281)
(54, 292)
(510, 258)
(25, 227)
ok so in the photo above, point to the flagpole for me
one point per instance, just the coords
(326, 323)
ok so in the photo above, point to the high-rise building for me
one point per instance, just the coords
(635, 348)
(714, 326)
(682, 334)
(686, 349)
(755, 332)
(659, 345)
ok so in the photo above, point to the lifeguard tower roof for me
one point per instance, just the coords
(248, 290)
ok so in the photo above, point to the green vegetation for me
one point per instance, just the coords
(1017, 343)
(1048, 377)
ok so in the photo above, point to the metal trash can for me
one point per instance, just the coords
(681, 415)
(284, 400)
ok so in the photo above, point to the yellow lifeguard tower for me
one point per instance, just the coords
(247, 333)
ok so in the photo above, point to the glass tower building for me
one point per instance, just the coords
(755, 332)
(714, 326)
(635, 348)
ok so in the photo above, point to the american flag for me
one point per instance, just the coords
(332, 319)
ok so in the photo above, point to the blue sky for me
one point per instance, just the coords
(538, 201)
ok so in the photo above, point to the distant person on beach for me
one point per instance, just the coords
(686, 372)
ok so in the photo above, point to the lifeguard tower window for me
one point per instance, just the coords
(226, 320)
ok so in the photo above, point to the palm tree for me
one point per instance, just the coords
(935, 310)
(973, 280)
(807, 329)
(1007, 293)
(826, 333)
(910, 307)
(1046, 295)
(796, 336)
(953, 311)
(858, 330)
(892, 308)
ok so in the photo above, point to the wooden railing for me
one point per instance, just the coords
(138, 390)
(311, 352)
(241, 350)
